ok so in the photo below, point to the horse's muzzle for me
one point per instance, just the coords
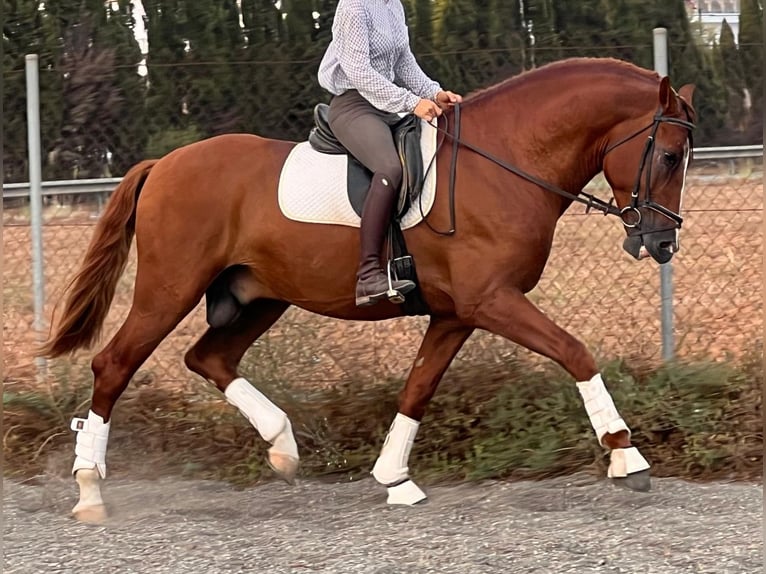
(661, 245)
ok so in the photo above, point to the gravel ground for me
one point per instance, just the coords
(576, 524)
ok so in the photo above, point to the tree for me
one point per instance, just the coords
(282, 54)
(733, 78)
(298, 23)
(101, 128)
(550, 28)
(688, 64)
(127, 134)
(215, 42)
(578, 24)
(262, 22)
(508, 39)
(421, 20)
(751, 53)
(91, 101)
(633, 22)
(168, 78)
(326, 12)
(462, 41)
(22, 34)
(84, 96)
(210, 72)
(630, 36)
(29, 30)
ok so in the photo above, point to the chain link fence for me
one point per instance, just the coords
(100, 116)
(590, 287)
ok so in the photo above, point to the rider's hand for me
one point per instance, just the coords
(447, 99)
(427, 110)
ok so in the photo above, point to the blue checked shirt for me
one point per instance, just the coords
(370, 52)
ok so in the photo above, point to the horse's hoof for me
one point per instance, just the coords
(90, 514)
(639, 481)
(284, 466)
(406, 493)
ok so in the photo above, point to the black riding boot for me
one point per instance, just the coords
(372, 281)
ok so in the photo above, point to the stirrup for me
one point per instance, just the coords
(369, 300)
(387, 287)
(393, 295)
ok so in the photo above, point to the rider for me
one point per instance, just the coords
(370, 51)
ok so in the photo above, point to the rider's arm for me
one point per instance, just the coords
(411, 75)
(352, 41)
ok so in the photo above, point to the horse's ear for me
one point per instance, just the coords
(668, 101)
(687, 93)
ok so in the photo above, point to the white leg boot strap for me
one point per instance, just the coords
(270, 421)
(92, 438)
(600, 408)
(391, 466)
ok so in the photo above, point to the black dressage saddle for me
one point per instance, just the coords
(406, 132)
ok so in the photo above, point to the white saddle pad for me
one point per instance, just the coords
(312, 186)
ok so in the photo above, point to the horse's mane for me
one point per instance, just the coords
(568, 66)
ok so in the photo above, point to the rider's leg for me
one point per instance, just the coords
(367, 136)
(371, 280)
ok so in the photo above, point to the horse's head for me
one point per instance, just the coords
(647, 174)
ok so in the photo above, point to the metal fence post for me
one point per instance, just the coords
(666, 269)
(36, 199)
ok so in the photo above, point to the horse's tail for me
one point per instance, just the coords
(90, 293)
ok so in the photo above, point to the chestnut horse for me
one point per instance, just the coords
(527, 147)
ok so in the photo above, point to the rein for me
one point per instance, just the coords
(590, 201)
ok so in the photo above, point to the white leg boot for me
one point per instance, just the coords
(391, 467)
(90, 466)
(605, 419)
(272, 424)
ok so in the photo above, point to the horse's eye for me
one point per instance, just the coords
(670, 158)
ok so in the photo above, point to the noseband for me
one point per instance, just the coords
(646, 167)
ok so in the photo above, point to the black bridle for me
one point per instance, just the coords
(590, 201)
(648, 202)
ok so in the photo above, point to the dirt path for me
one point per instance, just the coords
(572, 525)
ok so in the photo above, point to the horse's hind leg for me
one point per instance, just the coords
(442, 341)
(216, 357)
(151, 318)
(509, 313)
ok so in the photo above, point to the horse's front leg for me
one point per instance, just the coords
(508, 313)
(441, 343)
